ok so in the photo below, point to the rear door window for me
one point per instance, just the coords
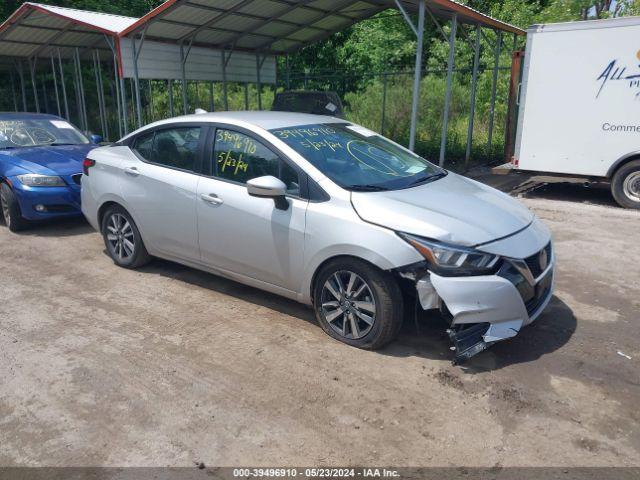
(171, 147)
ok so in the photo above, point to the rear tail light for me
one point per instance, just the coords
(87, 164)
(515, 161)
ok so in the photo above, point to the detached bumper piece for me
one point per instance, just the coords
(468, 340)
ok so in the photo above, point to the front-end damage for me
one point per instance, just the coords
(485, 309)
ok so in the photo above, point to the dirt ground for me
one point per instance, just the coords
(169, 366)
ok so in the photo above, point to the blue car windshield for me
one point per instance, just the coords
(358, 159)
(20, 133)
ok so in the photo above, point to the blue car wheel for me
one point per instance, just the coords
(10, 209)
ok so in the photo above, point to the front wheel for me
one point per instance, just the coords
(625, 185)
(122, 239)
(10, 209)
(358, 303)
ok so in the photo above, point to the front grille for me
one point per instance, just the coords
(77, 178)
(533, 262)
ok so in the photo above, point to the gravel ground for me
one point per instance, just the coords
(169, 366)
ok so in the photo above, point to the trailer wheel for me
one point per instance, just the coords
(625, 185)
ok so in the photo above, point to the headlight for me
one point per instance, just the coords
(35, 180)
(450, 260)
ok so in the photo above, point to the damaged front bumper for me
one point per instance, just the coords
(490, 308)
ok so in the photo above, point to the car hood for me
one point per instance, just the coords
(59, 160)
(453, 209)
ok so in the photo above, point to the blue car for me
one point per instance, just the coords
(41, 160)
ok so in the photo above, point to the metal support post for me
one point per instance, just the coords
(150, 100)
(246, 96)
(101, 99)
(100, 106)
(447, 93)
(224, 80)
(494, 89)
(474, 87)
(136, 79)
(22, 86)
(44, 96)
(211, 96)
(384, 102)
(64, 88)
(418, 72)
(287, 72)
(13, 91)
(183, 60)
(258, 83)
(55, 85)
(32, 70)
(82, 97)
(170, 93)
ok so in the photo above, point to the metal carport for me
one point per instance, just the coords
(269, 28)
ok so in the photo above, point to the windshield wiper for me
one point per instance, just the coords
(367, 188)
(59, 144)
(430, 178)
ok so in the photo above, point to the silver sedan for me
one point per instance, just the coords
(328, 213)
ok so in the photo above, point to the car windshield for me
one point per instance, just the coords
(357, 158)
(31, 132)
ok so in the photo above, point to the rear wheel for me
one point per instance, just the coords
(11, 209)
(357, 303)
(625, 185)
(122, 239)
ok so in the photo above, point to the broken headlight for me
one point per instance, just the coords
(451, 260)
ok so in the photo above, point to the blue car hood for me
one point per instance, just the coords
(58, 160)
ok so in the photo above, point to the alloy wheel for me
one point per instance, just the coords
(120, 236)
(631, 186)
(348, 305)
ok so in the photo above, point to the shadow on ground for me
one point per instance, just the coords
(596, 194)
(423, 335)
(65, 227)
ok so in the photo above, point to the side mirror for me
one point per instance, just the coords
(96, 139)
(269, 187)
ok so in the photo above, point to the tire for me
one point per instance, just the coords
(122, 239)
(10, 209)
(625, 185)
(336, 309)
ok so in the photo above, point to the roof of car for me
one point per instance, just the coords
(27, 116)
(263, 119)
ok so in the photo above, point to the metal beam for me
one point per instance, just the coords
(417, 75)
(474, 87)
(447, 93)
(407, 18)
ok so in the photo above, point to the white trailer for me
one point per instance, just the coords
(579, 103)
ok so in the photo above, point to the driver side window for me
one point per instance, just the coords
(239, 158)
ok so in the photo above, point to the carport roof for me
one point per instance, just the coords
(279, 26)
(35, 30)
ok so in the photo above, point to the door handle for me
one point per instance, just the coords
(211, 198)
(133, 171)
